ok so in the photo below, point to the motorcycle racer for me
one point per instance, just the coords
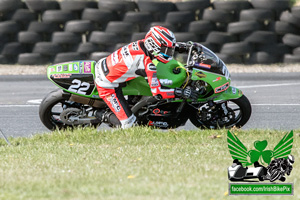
(131, 61)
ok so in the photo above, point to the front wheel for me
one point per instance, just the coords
(232, 113)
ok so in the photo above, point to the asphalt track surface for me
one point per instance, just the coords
(275, 99)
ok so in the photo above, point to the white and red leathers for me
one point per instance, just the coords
(125, 64)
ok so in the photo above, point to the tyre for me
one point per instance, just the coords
(260, 15)
(99, 55)
(47, 48)
(13, 49)
(275, 175)
(41, 5)
(229, 59)
(193, 5)
(262, 37)
(32, 59)
(77, 5)
(180, 17)
(183, 37)
(9, 5)
(49, 115)
(239, 112)
(201, 27)
(263, 58)
(290, 18)
(79, 26)
(24, 16)
(104, 38)
(274, 49)
(296, 51)
(288, 58)
(220, 38)
(117, 5)
(138, 36)
(121, 28)
(236, 5)
(243, 27)
(66, 38)
(237, 48)
(282, 28)
(291, 40)
(43, 27)
(271, 4)
(296, 11)
(57, 16)
(138, 17)
(218, 16)
(69, 56)
(158, 9)
(88, 47)
(28, 37)
(99, 16)
(9, 27)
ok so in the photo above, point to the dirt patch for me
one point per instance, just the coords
(233, 68)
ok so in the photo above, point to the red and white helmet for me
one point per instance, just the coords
(160, 42)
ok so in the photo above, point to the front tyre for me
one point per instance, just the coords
(232, 113)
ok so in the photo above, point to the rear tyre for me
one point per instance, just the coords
(242, 112)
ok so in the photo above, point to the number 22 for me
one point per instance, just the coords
(79, 87)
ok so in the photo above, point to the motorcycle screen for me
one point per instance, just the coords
(208, 61)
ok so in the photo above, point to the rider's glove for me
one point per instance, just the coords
(186, 93)
(181, 47)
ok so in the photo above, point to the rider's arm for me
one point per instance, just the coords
(156, 87)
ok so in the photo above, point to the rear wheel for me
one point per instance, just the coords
(233, 113)
(56, 103)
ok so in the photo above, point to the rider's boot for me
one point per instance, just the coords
(108, 117)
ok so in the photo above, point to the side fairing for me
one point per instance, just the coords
(76, 77)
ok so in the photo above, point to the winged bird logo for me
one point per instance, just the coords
(238, 150)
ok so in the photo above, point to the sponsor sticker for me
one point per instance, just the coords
(114, 58)
(222, 88)
(59, 68)
(158, 124)
(114, 102)
(166, 81)
(75, 67)
(217, 79)
(200, 74)
(154, 82)
(202, 65)
(70, 67)
(151, 67)
(80, 67)
(65, 67)
(60, 76)
(135, 46)
(87, 67)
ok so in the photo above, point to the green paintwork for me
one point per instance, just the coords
(139, 86)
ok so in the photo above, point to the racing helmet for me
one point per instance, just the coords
(160, 42)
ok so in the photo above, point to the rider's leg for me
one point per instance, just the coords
(115, 100)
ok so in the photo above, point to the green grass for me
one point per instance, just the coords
(138, 163)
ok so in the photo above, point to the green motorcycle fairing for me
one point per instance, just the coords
(77, 77)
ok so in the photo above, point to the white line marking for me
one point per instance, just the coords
(269, 85)
(18, 106)
(279, 104)
(35, 101)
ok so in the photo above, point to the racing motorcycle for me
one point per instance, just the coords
(219, 105)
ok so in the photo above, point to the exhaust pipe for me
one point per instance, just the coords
(84, 100)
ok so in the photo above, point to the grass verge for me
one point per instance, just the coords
(138, 163)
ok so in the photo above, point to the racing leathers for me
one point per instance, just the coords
(123, 65)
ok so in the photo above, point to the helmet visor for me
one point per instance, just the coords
(167, 52)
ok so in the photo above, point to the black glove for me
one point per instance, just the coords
(186, 93)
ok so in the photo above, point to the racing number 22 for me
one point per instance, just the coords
(79, 87)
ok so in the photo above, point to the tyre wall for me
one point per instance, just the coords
(239, 31)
